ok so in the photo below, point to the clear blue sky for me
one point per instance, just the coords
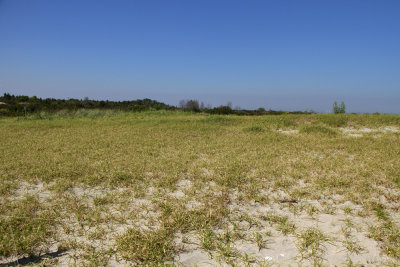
(290, 55)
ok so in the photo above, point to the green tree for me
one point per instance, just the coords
(342, 107)
(339, 109)
(335, 108)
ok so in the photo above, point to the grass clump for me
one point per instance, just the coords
(254, 128)
(24, 228)
(386, 232)
(260, 241)
(219, 120)
(176, 216)
(310, 245)
(208, 239)
(282, 223)
(156, 247)
(397, 181)
(352, 246)
(285, 121)
(318, 129)
(144, 247)
(333, 120)
(380, 212)
(124, 179)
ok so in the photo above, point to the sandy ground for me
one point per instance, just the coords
(341, 222)
(341, 226)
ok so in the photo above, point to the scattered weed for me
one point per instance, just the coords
(281, 222)
(260, 241)
(311, 245)
(352, 246)
(347, 210)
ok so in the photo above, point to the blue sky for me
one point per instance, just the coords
(290, 55)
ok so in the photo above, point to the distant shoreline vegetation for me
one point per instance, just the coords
(11, 105)
(20, 105)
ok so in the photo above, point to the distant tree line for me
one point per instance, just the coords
(15, 105)
(195, 106)
(11, 105)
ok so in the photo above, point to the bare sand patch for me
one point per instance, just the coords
(293, 131)
(360, 132)
(38, 190)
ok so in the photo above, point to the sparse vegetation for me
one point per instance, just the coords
(282, 223)
(158, 187)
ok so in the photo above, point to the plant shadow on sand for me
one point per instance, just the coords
(34, 259)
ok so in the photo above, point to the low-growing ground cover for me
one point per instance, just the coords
(178, 188)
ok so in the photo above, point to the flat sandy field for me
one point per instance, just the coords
(174, 188)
